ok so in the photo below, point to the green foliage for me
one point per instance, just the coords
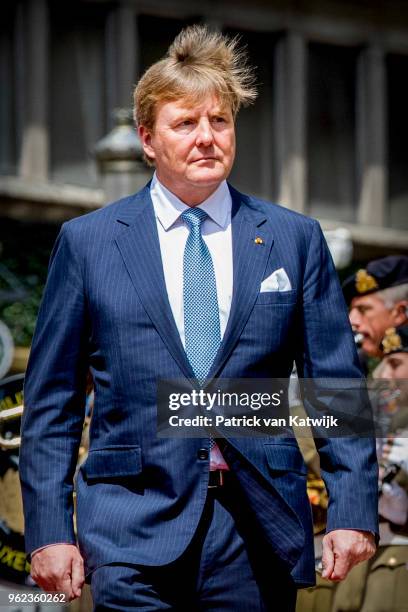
(21, 316)
(24, 257)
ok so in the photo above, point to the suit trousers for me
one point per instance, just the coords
(226, 568)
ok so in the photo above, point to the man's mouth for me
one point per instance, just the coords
(205, 159)
(360, 337)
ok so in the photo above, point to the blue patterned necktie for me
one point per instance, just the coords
(201, 314)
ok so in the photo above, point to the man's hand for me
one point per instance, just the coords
(59, 568)
(343, 549)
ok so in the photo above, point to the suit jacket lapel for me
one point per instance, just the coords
(140, 250)
(250, 257)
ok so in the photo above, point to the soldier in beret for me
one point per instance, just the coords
(382, 582)
(378, 299)
(394, 454)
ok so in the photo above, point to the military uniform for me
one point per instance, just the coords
(381, 583)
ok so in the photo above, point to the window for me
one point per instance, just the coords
(254, 170)
(397, 91)
(77, 90)
(331, 132)
(8, 155)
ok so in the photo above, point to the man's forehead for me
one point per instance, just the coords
(366, 300)
(191, 104)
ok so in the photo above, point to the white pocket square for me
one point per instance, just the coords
(277, 281)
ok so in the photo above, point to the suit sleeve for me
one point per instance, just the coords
(54, 401)
(348, 464)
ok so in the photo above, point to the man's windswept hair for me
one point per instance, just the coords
(198, 62)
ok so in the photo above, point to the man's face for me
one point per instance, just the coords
(193, 146)
(395, 366)
(370, 317)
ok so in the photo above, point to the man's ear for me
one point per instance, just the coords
(145, 136)
(401, 312)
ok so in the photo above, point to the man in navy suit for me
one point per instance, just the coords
(187, 279)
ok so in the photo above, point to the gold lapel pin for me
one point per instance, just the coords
(258, 240)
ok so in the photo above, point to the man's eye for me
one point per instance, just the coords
(219, 120)
(185, 123)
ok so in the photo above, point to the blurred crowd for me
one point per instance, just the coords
(377, 297)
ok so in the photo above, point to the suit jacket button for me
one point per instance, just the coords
(202, 453)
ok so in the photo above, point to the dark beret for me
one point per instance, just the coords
(379, 274)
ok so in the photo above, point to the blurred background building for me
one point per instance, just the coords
(327, 136)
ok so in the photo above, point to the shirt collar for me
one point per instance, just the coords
(168, 207)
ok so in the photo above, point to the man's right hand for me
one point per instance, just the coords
(59, 568)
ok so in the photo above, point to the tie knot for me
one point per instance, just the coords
(194, 217)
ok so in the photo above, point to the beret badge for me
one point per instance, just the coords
(391, 341)
(365, 282)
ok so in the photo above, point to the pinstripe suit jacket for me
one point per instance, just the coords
(105, 306)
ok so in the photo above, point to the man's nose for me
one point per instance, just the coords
(386, 371)
(205, 136)
(355, 318)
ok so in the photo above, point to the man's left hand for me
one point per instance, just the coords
(343, 549)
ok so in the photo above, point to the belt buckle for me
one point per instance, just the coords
(220, 479)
